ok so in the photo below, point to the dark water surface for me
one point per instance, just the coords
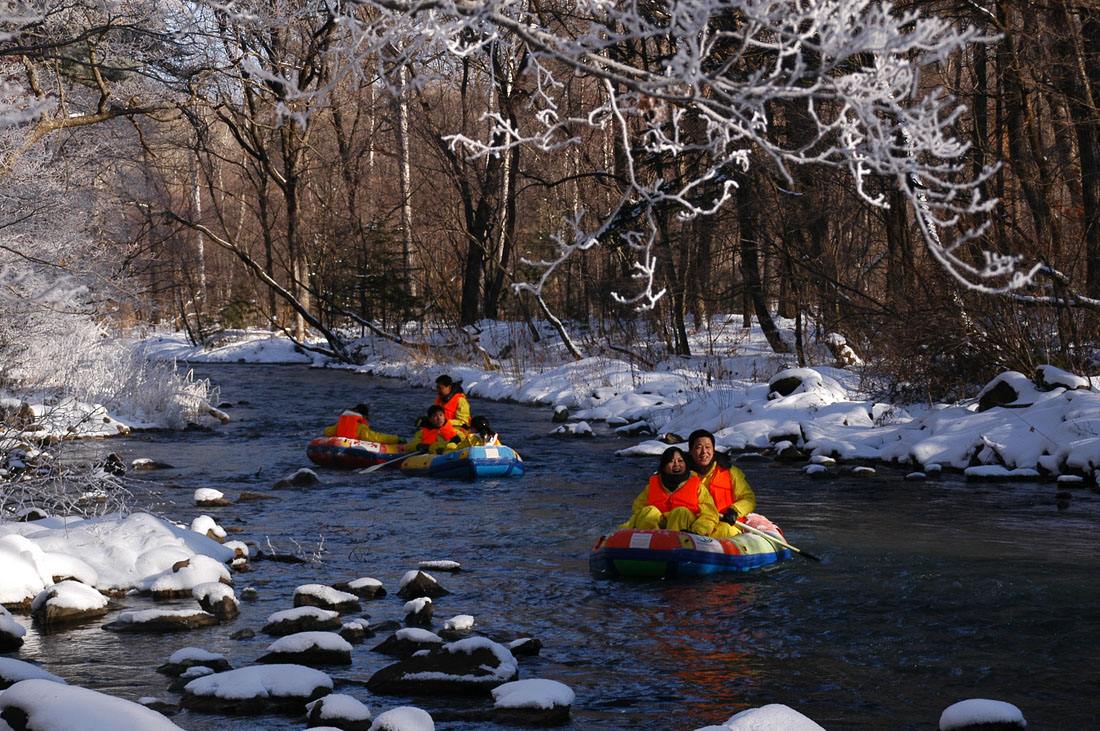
(929, 592)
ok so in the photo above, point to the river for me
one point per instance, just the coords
(929, 592)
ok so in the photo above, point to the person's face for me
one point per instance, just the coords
(676, 465)
(436, 419)
(702, 451)
(443, 390)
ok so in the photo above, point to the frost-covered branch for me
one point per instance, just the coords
(713, 83)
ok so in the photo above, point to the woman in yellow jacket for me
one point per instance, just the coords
(355, 424)
(674, 499)
(453, 401)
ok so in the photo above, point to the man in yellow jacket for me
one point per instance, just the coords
(728, 486)
(355, 424)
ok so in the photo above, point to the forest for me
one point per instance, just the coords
(919, 177)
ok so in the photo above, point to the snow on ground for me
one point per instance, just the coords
(1053, 425)
(234, 346)
(108, 553)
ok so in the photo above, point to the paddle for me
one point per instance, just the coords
(779, 541)
(380, 465)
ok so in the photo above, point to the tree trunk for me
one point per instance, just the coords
(750, 268)
(401, 133)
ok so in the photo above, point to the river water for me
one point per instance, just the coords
(929, 593)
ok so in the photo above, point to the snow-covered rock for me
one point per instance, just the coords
(302, 619)
(218, 599)
(473, 666)
(976, 712)
(416, 584)
(12, 671)
(309, 648)
(325, 597)
(50, 706)
(207, 526)
(161, 620)
(533, 702)
(339, 710)
(403, 718)
(11, 632)
(188, 657)
(67, 602)
(257, 689)
(207, 497)
(364, 587)
(773, 717)
(408, 641)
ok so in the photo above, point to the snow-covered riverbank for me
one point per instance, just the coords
(1018, 427)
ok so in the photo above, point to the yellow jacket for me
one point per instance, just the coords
(705, 521)
(367, 434)
(744, 499)
(474, 439)
(461, 418)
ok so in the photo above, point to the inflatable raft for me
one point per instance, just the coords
(350, 453)
(468, 463)
(632, 553)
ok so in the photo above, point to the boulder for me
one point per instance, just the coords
(404, 718)
(356, 630)
(408, 641)
(309, 648)
(206, 497)
(532, 702)
(217, 598)
(188, 657)
(980, 714)
(364, 588)
(68, 602)
(41, 704)
(142, 464)
(339, 711)
(13, 671)
(302, 619)
(415, 584)
(1048, 378)
(1011, 390)
(259, 689)
(524, 647)
(325, 597)
(11, 632)
(302, 478)
(418, 612)
(161, 620)
(470, 667)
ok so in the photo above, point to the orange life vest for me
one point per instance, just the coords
(347, 425)
(428, 436)
(450, 408)
(685, 496)
(721, 489)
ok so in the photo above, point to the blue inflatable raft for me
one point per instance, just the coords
(631, 553)
(468, 463)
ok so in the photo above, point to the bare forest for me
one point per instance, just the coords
(922, 178)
